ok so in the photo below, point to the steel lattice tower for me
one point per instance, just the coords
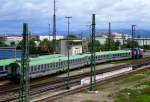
(54, 28)
(93, 74)
(133, 35)
(110, 37)
(24, 76)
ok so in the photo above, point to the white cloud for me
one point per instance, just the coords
(39, 12)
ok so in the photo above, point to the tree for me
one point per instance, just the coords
(46, 47)
(97, 46)
(20, 45)
(12, 44)
(2, 44)
(117, 45)
(72, 36)
(32, 47)
(109, 44)
(129, 44)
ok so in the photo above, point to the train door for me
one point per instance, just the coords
(13, 71)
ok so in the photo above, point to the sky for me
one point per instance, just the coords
(39, 14)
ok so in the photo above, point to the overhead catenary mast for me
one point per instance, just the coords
(54, 27)
(109, 37)
(133, 35)
(93, 73)
(49, 31)
(24, 77)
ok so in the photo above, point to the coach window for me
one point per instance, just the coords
(35, 68)
(54, 65)
(31, 68)
(104, 56)
(1, 68)
(50, 65)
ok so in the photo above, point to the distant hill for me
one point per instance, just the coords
(142, 33)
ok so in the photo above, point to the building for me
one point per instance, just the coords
(75, 47)
(8, 53)
(12, 39)
(116, 36)
(85, 47)
(143, 41)
(42, 37)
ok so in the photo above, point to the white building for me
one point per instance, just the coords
(143, 41)
(42, 37)
(116, 36)
(75, 47)
(10, 39)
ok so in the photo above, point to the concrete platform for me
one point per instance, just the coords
(84, 70)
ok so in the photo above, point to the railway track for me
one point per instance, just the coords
(54, 85)
(84, 88)
(60, 84)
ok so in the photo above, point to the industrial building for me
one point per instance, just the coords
(143, 41)
(116, 36)
(75, 46)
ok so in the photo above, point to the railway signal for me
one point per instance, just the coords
(24, 76)
(93, 71)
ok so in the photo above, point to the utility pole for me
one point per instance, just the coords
(54, 28)
(24, 77)
(93, 70)
(133, 35)
(68, 62)
(109, 37)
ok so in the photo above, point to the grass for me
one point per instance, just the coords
(137, 94)
(140, 92)
(133, 78)
(90, 101)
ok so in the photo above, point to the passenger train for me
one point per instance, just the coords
(51, 64)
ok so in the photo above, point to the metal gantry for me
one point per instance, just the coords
(24, 76)
(54, 28)
(93, 70)
(68, 61)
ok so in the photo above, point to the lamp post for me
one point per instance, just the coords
(68, 62)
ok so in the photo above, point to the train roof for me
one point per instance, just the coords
(49, 59)
(58, 57)
(46, 57)
(6, 62)
(110, 52)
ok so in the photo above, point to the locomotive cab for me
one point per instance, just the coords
(137, 53)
